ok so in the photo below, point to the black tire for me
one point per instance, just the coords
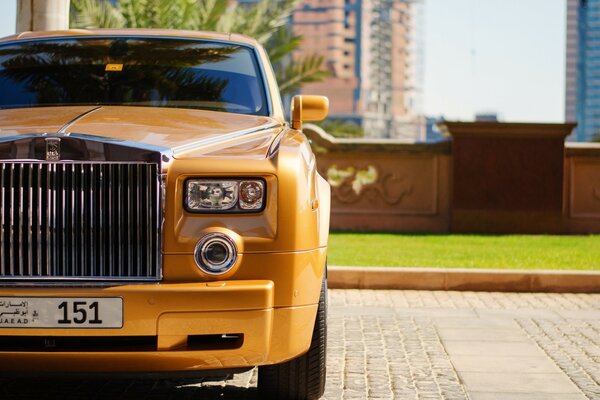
(302, 378)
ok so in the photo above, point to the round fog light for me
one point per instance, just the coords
(215, 253)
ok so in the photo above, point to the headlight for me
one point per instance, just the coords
(224, 195)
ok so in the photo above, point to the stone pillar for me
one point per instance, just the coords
(42, 15)
(507, 177)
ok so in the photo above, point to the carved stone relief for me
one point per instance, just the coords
(397, 185)
(350, 185)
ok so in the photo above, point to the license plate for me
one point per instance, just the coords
(61, 312)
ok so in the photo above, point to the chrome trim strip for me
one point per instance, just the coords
(220, 138)
(84, 148)
(68, 162)
(80, 278)
(63, 128)
(83, 282)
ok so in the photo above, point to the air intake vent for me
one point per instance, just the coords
(77, 220)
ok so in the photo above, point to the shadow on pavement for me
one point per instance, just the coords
(70, 389)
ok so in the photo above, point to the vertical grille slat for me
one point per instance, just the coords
(71, 218)
(93, 230)
(138, 231)
(54, 225)
(30, 242)
(149, 217)
(20, 222)
(2, 220)
(109, 223)
(39, 221)
(78, 220)
(62, 218)
(130, 221)
(118, 208)
(47, 215)
(101, 225)
(12, 221)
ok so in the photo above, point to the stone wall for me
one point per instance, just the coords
(581, 208)
(387, 185)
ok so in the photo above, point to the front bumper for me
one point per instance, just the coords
(171, 313)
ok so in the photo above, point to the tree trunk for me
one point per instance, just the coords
(42, 15)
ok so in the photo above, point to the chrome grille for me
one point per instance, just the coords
(78, 220)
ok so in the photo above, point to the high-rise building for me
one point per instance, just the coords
(582, 92)
(372, 49)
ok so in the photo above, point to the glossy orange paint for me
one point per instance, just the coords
(308, 108)
(270, 295)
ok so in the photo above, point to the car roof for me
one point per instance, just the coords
(227, 37)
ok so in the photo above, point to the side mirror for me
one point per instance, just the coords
(308, 108)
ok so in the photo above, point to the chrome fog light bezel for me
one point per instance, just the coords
(215, 268)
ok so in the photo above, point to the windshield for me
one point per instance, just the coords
(131, 71)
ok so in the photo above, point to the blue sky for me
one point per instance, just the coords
(503, 56)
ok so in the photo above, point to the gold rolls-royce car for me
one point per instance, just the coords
(159, 216)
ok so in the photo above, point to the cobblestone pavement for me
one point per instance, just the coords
(415, 345)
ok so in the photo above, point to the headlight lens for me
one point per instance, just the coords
(231, 195)
(251, 195)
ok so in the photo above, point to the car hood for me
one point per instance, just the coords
(183, 132)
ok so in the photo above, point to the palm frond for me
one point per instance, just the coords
(210, 13)
(282, 44)
(266, 21)
(95, 14)
(305, 70)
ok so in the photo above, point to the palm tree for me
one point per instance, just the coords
(266, 21)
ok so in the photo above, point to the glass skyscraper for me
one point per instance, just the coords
(582, 96)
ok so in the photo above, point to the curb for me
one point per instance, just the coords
(492, 280)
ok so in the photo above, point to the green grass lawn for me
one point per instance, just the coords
(465, 251)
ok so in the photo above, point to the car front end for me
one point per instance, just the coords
(146, 228)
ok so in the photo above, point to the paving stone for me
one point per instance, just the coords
(479, 363)
(476, 323)
(483, 334)
(386, 344)
(556, 383)
(573, 346)
(490, 348)
(524, 396)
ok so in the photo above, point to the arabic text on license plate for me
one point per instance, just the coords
(61, 312)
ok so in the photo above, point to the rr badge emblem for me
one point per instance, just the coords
(52, 149)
